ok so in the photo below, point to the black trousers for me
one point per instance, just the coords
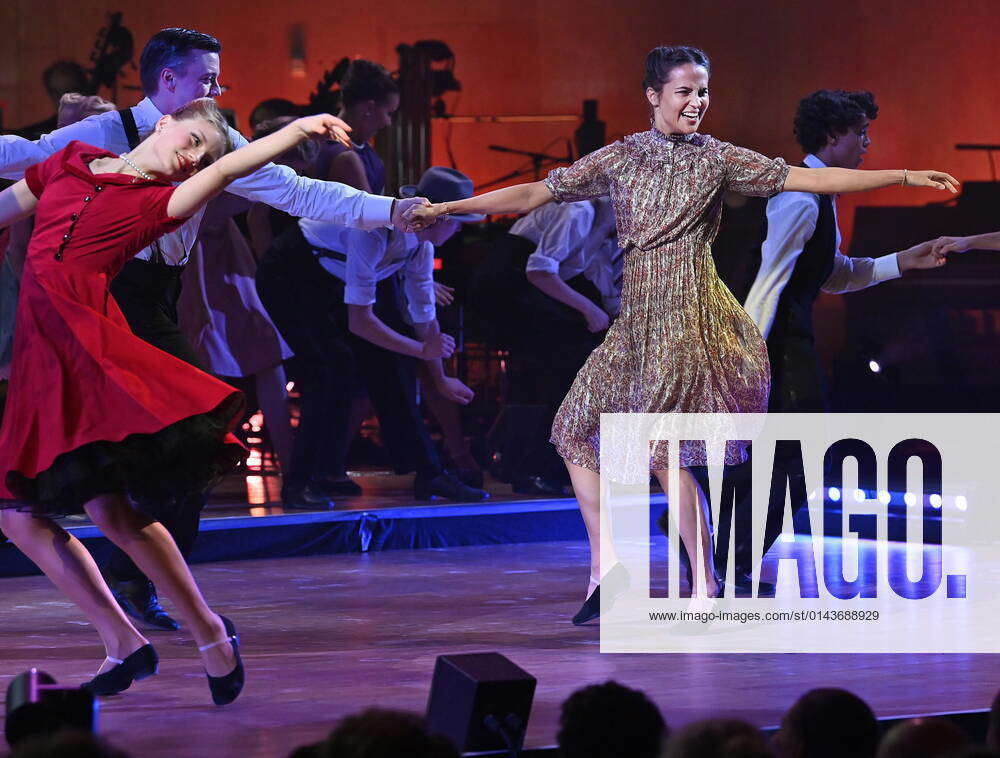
(147, 295)
(331, 365)
(547, 340)
(798, 383)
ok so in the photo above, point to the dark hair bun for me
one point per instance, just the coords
(366, 80)
(662, 60)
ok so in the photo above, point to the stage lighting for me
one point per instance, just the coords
(910, 499)
(874, 366)
(480, 701)
(833, 494)
(884, 497)
(961, 503)
(37, 705)
(936, 500)
(859, 496)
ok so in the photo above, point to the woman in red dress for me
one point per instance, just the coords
(94, 413)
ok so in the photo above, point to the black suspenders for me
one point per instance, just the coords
(131, 130)
(132, 135)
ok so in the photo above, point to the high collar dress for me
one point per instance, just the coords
(682, 342)
(92, 409)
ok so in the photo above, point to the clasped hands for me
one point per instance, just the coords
(413, 214)
(418, 213)
(932, 253)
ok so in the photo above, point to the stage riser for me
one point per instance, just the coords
(324, 533)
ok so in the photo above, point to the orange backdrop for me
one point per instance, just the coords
(932, 65)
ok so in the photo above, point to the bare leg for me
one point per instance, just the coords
(273, 399)
(68, 564)
(587, 488)
(154, 551)
(693, 517)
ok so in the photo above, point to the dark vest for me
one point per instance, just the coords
(797, 381)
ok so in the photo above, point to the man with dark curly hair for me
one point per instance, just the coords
(801, 254)
(610, 721)
(801, 257)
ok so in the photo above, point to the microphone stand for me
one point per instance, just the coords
(538, 162)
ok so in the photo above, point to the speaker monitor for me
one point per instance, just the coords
(480, 701)
(37, 705)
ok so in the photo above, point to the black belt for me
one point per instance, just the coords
(322, 252)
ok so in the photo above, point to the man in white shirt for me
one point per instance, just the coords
(176, 67)
(347, 300)
(801, 254)
(548, 290)
(801, 257)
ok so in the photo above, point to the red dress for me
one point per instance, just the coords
(92, 409)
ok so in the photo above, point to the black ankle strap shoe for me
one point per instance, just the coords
(143, 663)
(225, 689)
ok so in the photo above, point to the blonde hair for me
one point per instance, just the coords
(206, 109)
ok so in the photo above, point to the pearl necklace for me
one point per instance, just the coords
(139, 171)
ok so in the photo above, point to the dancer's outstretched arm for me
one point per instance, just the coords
(945, 245)
(16, 202)
(830, 181)
(520, 198)
(193, 193)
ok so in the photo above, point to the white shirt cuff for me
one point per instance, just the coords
(354, 295)
(376, 211)
(537, 262)
(422, 314)
(886, 268)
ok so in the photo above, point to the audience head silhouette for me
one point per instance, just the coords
(828, 723)
(64, 744)
(719, 738)
(380, 733)
(993, 730)
(922, 738)
(610, 720)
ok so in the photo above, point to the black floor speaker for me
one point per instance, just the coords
(36, 706)
(480, 701)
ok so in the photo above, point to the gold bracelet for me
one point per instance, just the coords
(903, 183)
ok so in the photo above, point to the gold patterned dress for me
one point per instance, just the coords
(682, 342)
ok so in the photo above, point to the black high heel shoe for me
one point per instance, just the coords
(615, 582)
(143, 663)
(225, 689)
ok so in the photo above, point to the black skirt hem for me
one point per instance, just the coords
(182, 459)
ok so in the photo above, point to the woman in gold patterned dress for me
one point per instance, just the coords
(682, 342)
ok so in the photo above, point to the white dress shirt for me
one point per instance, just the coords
(372, 256)
(791, 222)
(277, 186)
(576, 238)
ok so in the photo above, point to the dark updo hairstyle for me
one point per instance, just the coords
(662, 60)
(366, 80)
(272, 108)
(831, 111)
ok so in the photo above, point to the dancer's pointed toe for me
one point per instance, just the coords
(225, 689)
(143, 663)
(615, 583)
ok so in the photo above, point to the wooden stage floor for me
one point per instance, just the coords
(325, 636)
